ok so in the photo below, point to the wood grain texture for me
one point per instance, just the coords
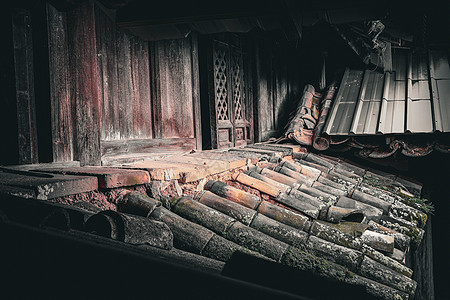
(126, 104)
(140, 79)
(147, 145)
(107, 71)
(171, 80)
(84, 89)
(24, 75)
(124, 84)
(59, 86)
(196, 91)
(273, 66)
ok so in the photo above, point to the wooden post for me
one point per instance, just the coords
(61, 124)
(196, 91)
(24, 73)
(84, 86)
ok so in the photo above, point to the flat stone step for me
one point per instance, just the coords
(234, 160)
(46, 186)
(212, 166)
(252, 151)
(272, 147)
(17, 191)
(167, 169)
(107, 177)
(295, 148)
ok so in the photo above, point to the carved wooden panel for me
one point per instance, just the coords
(232, 127)
(221, 83)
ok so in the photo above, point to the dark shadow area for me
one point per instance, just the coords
(303, 283)
(432, 171)
(50, 264)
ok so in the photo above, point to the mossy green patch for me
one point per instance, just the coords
(417, 202)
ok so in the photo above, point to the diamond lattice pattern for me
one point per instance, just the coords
(220, 80)
(237, 86)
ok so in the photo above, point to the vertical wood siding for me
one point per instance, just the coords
(24, 73)
(101, 94)
(124, 84)
(84, 89)
(59, 86)
(275, 87)
(171, 77)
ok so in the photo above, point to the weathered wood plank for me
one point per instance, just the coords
(281, 92)
(264, 88)
(140, 79)
(147, 145)
(172, 95)
(84, 92)
(24, 73)
(125, 90)
(196, 91)
(8, 113)
(108, 83)
(59, 85)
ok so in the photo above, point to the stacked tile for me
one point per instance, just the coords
(339, 178)
(302, 222)
(87, 222)
(304, 236)
(187, 236)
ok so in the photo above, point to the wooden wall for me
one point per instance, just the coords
(276, 86)
(113, 93)
(110, 93)
(174, 82)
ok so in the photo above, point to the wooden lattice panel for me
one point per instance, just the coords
(220, 83)
(236, 72)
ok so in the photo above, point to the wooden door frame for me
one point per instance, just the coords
(208, 44)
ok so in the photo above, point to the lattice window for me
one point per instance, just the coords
(238, 88)
(220, 83)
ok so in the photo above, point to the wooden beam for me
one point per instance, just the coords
(24, 74)
(196, 91)
(155, 79)
(147, 146)
(84, 92)
(59, 85)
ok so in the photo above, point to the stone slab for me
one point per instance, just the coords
(107, 177)
(271, 147)
(168, 170)
(234, 160)
(260, 152)
(48, 186)
(17, 191)
(212, 166)
(295, 148)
